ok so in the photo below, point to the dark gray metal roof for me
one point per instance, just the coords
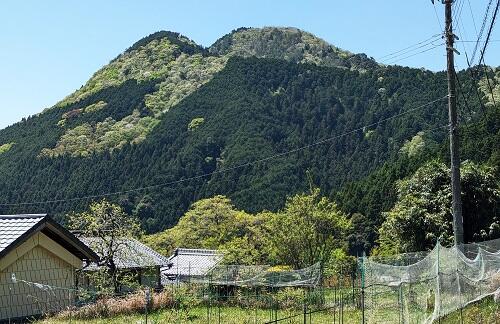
(191, 262)
(12, 227)
(16, 229)
(130, 254)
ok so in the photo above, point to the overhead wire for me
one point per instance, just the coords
(458, 22)
(483, 51)
(490, 30)
(394, 57)
(414, 54)
(236, 167)
(410, 48)
(437, 17)
(469, 61)
(481, 31)
(473, 18)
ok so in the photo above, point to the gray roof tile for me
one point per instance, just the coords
(130, 254)
(14, 226)
(192, 262)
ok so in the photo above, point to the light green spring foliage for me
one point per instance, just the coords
(109, 134)
(180, 77)
(290, 44)
(195, 123)
(213, 223)
(494, 83)
(77, 112)
(414, 146)
(308, 230)
(287, 43)
(95, 107)
(147, 62)
(183, 77)
(6, 147)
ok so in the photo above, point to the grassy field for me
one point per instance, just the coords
(486, 311)
(229, 315)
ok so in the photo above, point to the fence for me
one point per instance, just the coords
(262, 300)
(408, 288)
(424, 287)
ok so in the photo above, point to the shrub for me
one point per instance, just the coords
(130, 304)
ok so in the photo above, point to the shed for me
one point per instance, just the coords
(190, 264)
(38, 263)
(131, 257)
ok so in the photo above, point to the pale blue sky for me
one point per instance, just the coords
(50, 48)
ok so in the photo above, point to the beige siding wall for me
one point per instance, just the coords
(22, 299)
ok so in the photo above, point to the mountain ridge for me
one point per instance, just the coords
(159, 113)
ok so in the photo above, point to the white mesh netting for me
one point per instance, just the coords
(266, 276)
(422, 287)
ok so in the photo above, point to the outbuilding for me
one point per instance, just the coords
(39, 260)
(187, 265)
(131, 258)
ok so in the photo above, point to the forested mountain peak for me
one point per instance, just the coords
(152, 57)
(185, 44)
(170, 111)
(289, 43)
(174, 66)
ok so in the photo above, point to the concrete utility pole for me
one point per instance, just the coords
(458, 226)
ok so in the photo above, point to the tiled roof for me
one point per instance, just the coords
(192, 262)
(131, 254)
(12, 227)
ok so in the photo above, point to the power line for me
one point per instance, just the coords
(406, 57)
(480, 34)
(474, 41)
(271, 157)
(437, 17)
(458, 10)
(492, 24)
(469, 62)
(473, 19)
(466, 101)
(489, 84)
(411, 47)
(481, 59)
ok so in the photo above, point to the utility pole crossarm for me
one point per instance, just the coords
(458, 226)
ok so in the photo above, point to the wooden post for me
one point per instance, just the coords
(458, 226)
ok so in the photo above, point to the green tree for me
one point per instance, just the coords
(214, 223)
(307, 230)
(107, 225)
(422, 213)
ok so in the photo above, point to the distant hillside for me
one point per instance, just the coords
(291, 44)
(167, 110)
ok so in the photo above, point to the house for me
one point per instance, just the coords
(190, 264)
(130, 257)
(38, 262)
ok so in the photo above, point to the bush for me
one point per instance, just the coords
(131, 304)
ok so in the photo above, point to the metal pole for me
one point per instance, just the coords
(458, 226)
(305, 308)
(363, 287)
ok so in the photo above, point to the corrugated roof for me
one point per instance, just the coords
(192, 262)
(12, 227)
(131, 254)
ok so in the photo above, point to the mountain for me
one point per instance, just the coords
(291, 44)
(167, 111)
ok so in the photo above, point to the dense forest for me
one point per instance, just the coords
(257, 117)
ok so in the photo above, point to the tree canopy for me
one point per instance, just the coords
(422, 213)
